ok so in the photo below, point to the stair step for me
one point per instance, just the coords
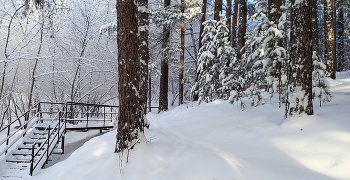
(43, 128)
(38, 136)
(57, 151)
(10, 176)
(32, 141)
(18, 158)
(18, 161)
(17, 167)
(24, 154)
(24, 146)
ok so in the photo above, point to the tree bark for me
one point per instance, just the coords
(242, 28)
(164, 69)
(340, 38)
(314, 25)
(217, 9)
(301, 59)
(274, 12)
(182, 57)
(234, 25)
(130, 116)
(203, 18)
(143, 53)
(228, 17)
(330, 38)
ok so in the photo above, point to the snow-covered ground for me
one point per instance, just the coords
(219, 141)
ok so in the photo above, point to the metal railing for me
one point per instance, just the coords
(84, 112)
(44, 144)
(50, 135)
(54, 132)
(25, 127)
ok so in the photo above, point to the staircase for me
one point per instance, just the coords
(29, 147)
(36, 145)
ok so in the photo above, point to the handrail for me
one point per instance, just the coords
(55, 130)
(8, 146)
(57, 134)
(18, 119)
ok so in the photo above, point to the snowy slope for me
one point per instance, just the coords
(218, 141)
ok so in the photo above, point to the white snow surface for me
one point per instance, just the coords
(219, 141)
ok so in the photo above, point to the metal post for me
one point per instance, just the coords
(65, 120)
(39, 110)
(87, 116)
(104, 116)
(32, 161)
(8, 134)
(48, 146)
(62, 144)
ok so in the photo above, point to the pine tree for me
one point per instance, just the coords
(164, 77)
(226, 56)
(320, 84)
(330, 38)
(208, 65)
(131, 119)
(300, 77)
(265, 58)
(242, 28)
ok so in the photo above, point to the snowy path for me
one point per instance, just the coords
(218, 141)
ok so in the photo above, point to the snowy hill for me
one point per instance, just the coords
(219, 141)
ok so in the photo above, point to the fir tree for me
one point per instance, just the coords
(320, 85)
(208, 65)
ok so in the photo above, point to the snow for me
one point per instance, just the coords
(220, 141)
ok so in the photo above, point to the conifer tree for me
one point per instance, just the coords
(300, 77)
(321, 88)
(208, 65)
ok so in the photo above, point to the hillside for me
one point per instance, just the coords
(219, 141)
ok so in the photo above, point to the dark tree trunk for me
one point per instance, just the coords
(301, 59)
(217, 9)
(340, 39)
(242, 28)
(143, 53)
(131, 111)
(330, 38)
(182, 57)
(228, 17)
(234, 25)
(203, 18)
(164, 69)
(274, 12)
(314, 25)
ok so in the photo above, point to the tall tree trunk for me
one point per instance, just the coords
(217, 9)
(201, 29)
(143, 53)
(228, 17)
(130, 116)
(340, 38)
(330, 38)
(274, 11)
(164, 69)
(182, 56)
(314, 25)
(242, 28)
(300, 100)
(234, 25)
(203, 18)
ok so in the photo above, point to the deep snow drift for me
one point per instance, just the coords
(219, 141)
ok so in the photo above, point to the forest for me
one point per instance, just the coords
(171, 53)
